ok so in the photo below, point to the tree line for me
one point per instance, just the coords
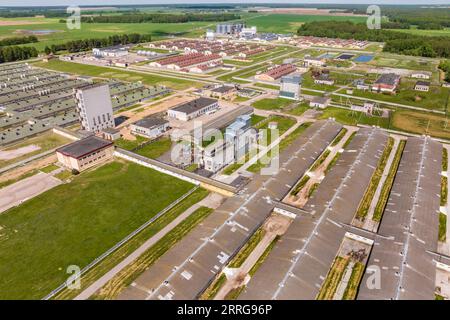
(16, 53)
(160, 18)
(445, 66)
(395, 41)
(88, 44)
(18, 40)
(431, 18)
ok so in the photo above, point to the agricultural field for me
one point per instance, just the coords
(289, 23)
(56, 32)
(76, 222)
(421, 123)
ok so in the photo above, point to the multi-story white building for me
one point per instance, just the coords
(94, 108)
(290, 87)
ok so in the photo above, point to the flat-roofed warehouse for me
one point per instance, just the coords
(150, 127)
(85, 153)
(193, 109)
(298, 264)
(193, 263)
(408, 232)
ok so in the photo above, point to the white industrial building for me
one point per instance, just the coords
(150, 127)
(111, 52)
(239, 139)
(193, 109)
(320, 102)
(248, 32)
(94, 108)
(290, 87)
(421, 75)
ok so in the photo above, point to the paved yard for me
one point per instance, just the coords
(22, 190)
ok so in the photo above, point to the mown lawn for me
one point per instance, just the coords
(346, 116)
(272, 104)
(156, 148)
(74, 223)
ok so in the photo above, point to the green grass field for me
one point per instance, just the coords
(421, 123)
(272, 104)
(155, 149)
(407, 62)
(352, 118)
(111, 73)
(435, 99)
(74, 223)
(286, 23)
(429, 33)
(134, 243)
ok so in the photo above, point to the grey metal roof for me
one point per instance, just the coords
(423, 83)
(82, 147)
(223, 89)
(194, 105)
(206, 250)
(387, 78)
(150, 122)
(299, 262)
(409, 227)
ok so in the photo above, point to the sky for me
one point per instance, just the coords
(116, 2)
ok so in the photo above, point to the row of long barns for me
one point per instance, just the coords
(404, 249)
(34, 100)
(222, 48)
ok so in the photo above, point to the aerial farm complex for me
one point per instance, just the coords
(231, 164)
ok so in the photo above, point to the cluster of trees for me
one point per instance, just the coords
(18, 40)
(15, 53)
(430, 18)
(88, 44)
(32, 13)
(396, 42)
(160, 18)
(445, 66)
(423, 18)
(394, 25)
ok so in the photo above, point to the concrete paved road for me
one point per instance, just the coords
(25, 189)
